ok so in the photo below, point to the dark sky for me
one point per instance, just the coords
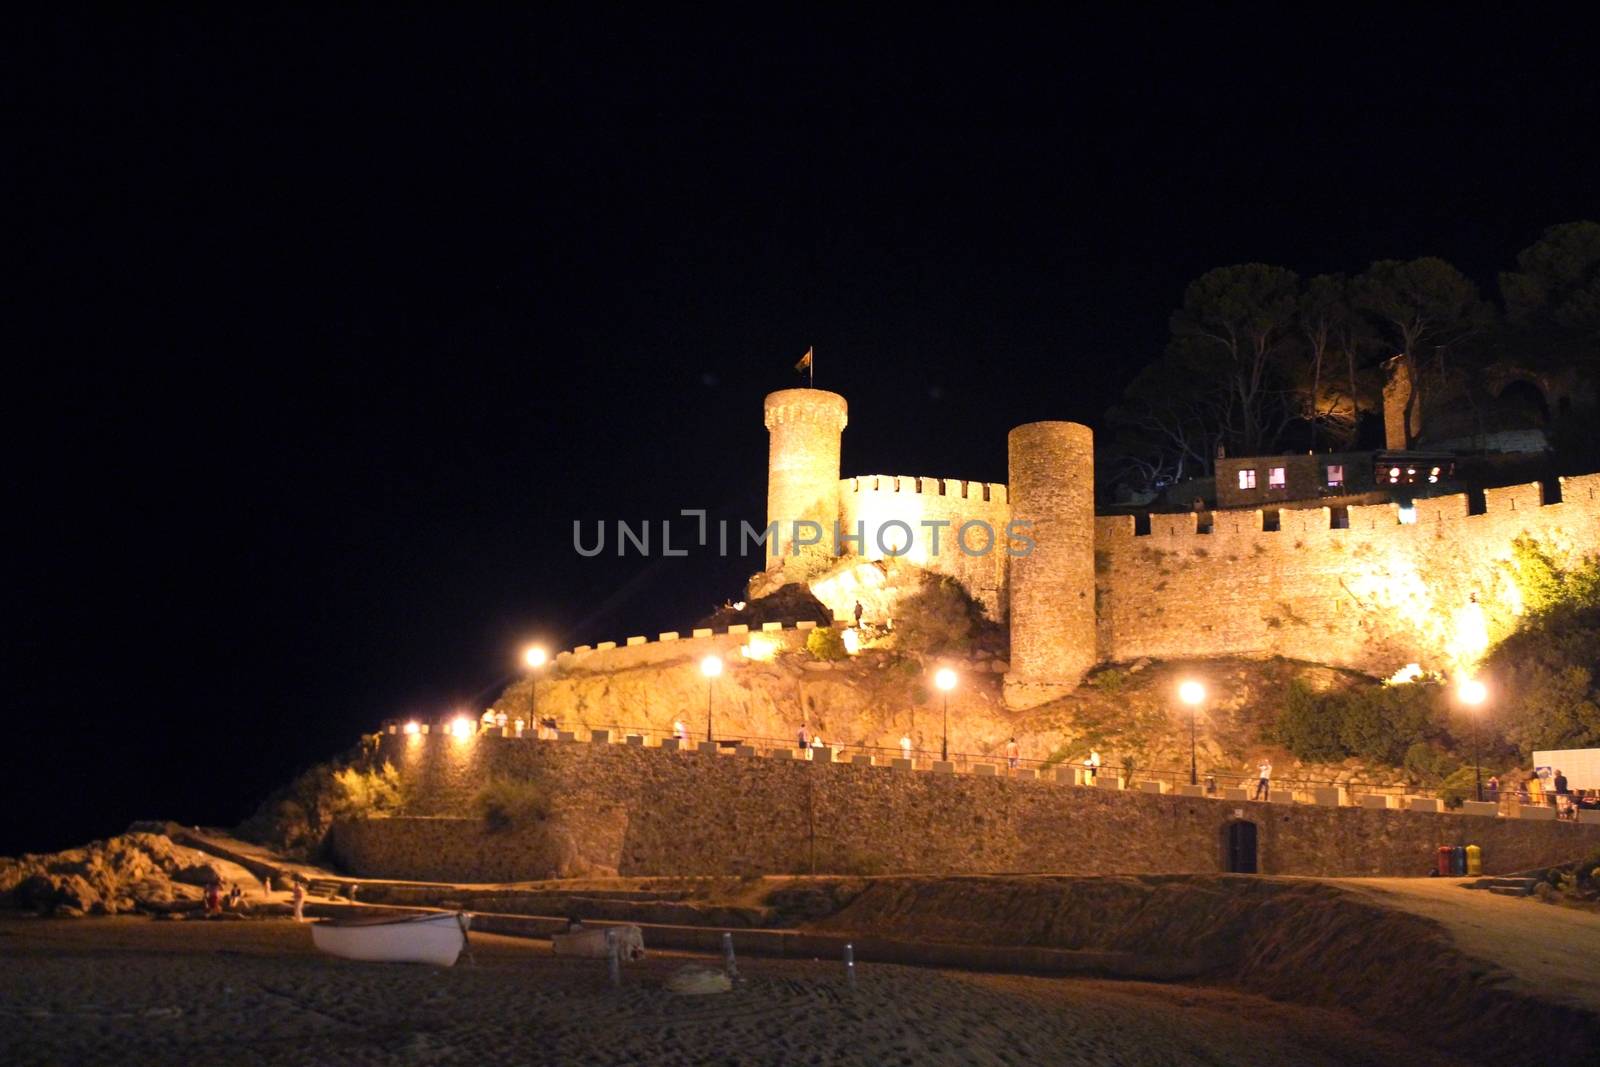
(336, 322)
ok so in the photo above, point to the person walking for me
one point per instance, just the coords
(1092, 765)
(1013, 754)
(1264, 780)
(905, 746)
(858, 614)
(680, 731)
(804, 736)
(298, 898)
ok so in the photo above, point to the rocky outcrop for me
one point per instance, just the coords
(134, 872)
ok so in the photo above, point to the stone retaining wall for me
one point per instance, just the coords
(645, 811)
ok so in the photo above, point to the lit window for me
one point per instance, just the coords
(1247, 479)
(1275, 478)
(1335, 475)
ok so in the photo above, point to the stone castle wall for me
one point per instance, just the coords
(648, 811)
(1374, 597)
(873, 500)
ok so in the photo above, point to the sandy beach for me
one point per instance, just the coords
(135, 991)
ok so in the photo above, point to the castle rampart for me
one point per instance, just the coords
(648, 811)
(803, 466)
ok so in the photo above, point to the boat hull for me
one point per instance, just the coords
(435, 939)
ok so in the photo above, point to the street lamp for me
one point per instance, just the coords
(1473, 693)
(711, 667)
(534, 657)
(945, 679)
(1193, 694)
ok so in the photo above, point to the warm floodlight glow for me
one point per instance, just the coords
(462, 726)
(535, 656)
(1472, 692)
(1405, 675)
(945, 679)
(413, 727)
(1408, 514)
(759, 647)
(711, 666)
(1192, 692)
(852, 641)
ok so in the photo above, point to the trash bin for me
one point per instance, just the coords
(1442, 858)
(1474, 859)
(1458, 861)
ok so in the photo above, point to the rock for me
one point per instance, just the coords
(1000, 666)
(1138, 665)
(817, 665)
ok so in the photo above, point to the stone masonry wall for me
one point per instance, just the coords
(646, 811)
(1374, 597)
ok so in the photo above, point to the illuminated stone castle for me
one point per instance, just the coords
(1370, 587)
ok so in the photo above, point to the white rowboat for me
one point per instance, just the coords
(436, 939)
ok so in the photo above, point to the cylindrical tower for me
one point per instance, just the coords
(804, 426)
(1052, 587)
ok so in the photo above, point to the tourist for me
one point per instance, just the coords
(858, 614)
(1092, 766)
(1264, 780)
(1491, 789)
(500, 720)
(486, 720)
(235, 898)
(804, 736)
(905, 746)
(680, 731)
(1561, 783)
(1013, 754)
(213, 897)
(298, 898)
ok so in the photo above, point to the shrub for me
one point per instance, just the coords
(938, 618)
(1109, 680)
(826, 643)
(507, 803)
(364, 793)
(1458, 786)
(1306, 727)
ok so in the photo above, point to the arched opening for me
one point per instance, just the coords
(1521, 406)
(1239, 847)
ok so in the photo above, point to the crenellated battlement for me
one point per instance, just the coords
(953, 488)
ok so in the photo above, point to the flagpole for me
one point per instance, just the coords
(812, 366)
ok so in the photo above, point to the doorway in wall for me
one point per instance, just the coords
(1241, 847)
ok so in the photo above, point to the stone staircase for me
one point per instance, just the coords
(1508, 887)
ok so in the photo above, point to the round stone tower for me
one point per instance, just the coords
(804, 426)
(1052, 587)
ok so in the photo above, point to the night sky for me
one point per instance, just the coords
(336, 322)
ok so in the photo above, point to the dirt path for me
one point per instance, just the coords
(1549, 950)
(134, 991)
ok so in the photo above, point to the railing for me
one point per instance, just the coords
(1214, 781)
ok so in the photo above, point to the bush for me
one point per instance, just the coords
(364, 793)
(1376, 723)
(1546, 675)
(826, 643)
(938, 618)
(1109, 680)
(1458, 786)
(295, 818)
(506, 803)
(1307, 728)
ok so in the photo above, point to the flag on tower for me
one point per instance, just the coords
(807, 366)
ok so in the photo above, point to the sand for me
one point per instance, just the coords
(136, 991)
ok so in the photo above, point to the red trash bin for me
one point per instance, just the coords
(1444, 860)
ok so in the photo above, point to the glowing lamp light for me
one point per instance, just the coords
(535, 656)
(1405, 675)
(461, 726)
(711, 666)
(852, 641)
(413, 727)
(1472, 692)
(739, 606)
(1192, 693)
(1408, 515)
(945, 679)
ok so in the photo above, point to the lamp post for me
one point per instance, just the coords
(711, 666)
(534, 657)
(1193, 694)
(945, 679)
(1473, 693)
